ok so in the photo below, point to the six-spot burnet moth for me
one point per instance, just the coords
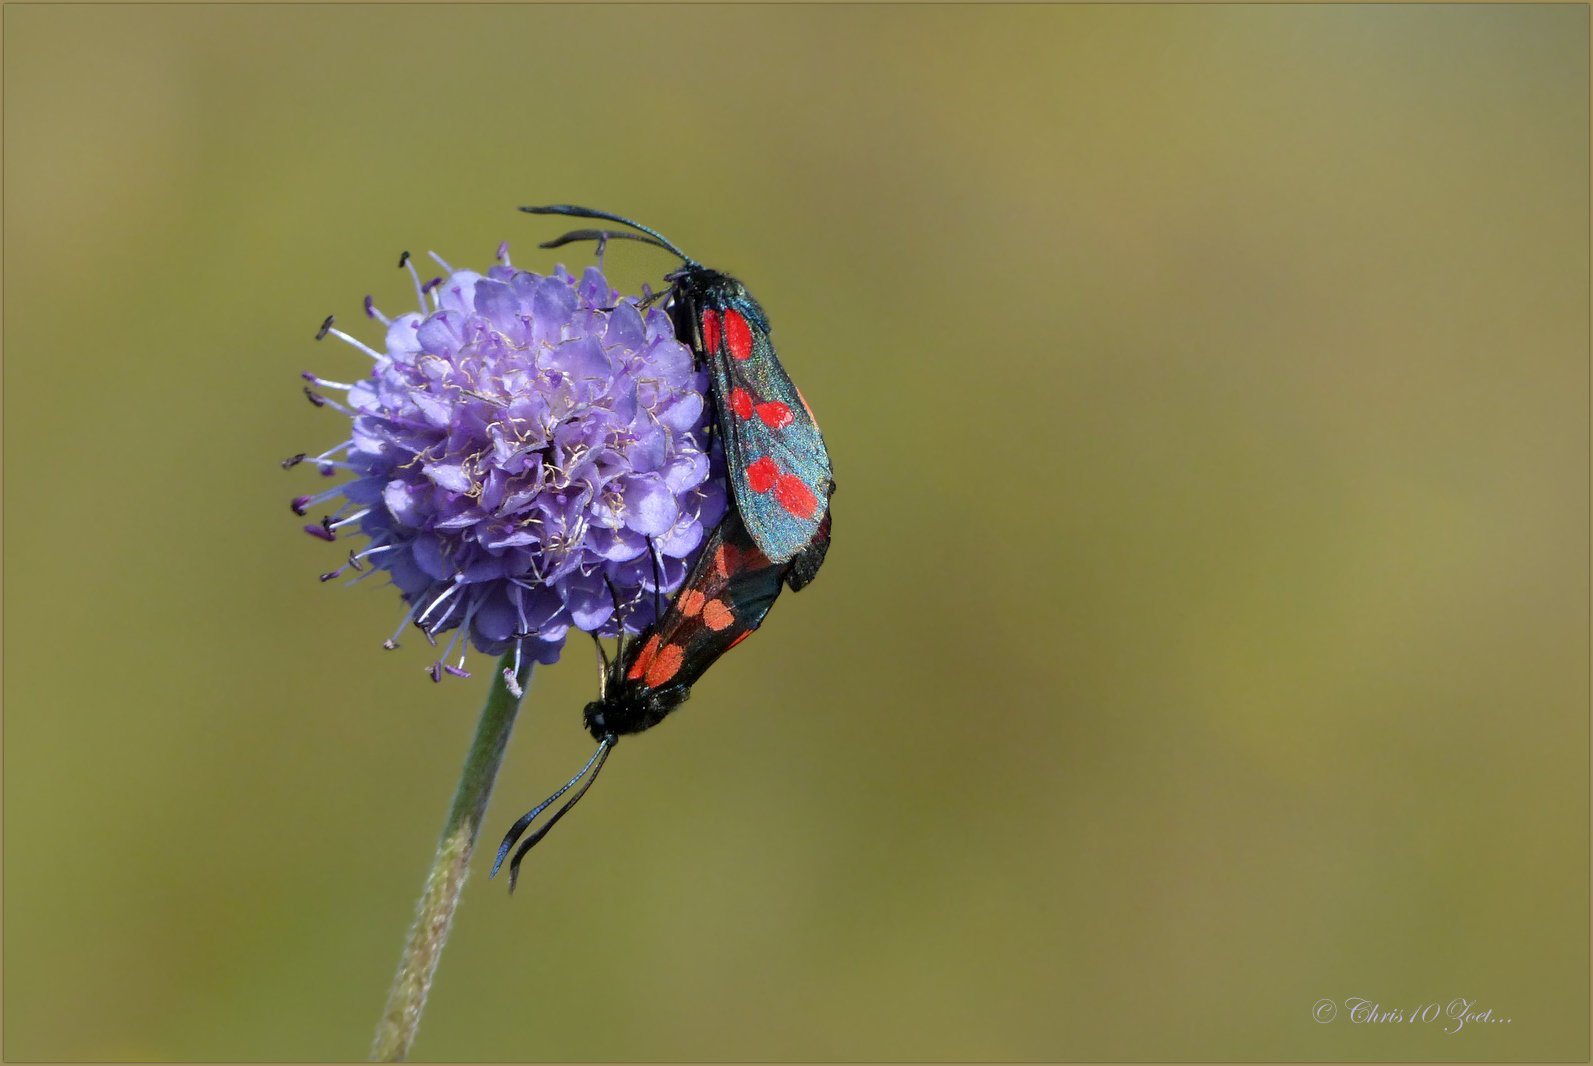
(775, 533)
(779, 469)
(724, 598)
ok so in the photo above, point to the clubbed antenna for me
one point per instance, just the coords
(598, 758)
(592, 234)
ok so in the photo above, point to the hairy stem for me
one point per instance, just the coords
(434, 914)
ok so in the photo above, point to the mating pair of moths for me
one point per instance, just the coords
(775, 530)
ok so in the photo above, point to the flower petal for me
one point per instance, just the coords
(649, 506)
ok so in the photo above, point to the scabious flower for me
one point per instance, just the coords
(528, 454)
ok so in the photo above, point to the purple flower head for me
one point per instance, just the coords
(517, 447)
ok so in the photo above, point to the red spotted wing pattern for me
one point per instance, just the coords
(776, 534)
(779, 468)
(725, 597)
(780, 471)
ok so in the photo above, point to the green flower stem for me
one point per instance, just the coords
(435, 912)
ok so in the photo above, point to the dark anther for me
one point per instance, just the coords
(402, 260)
(299, 503)
(314, 397)
(370, 307)
(389, 644)
(353, 560)
(330, 574)
(292, 461)
(320, 334)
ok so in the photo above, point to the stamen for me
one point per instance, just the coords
(484, 399)
(301, 504)
(361, 345)
(372, 312)
(320, 334)
(323, 382)
(392, 642)
(449, 650)
(602, 666)
(519, 610)
(503, 255)
(318, 531)
(511, 676)
(362, 577)
(420, 294)
(464, 631)
(455, 587)
(437, 626)
(353, 561)
(322, 401)
(355, 517)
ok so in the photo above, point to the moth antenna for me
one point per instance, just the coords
(526, 819)
(602, 236)
(599, 757)
(575, 211)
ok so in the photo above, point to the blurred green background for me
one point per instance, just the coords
(1206, 631)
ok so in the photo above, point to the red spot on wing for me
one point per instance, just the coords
(762, 475)
(723, 562)
(717, 616)
(691, 603)
(775, 414)
(741, 403)
(644, 660)
(738, 335)
(710, 330)
(795, 496)
(739, 639)
(665, 664)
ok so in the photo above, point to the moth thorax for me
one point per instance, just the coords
(632, 710)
